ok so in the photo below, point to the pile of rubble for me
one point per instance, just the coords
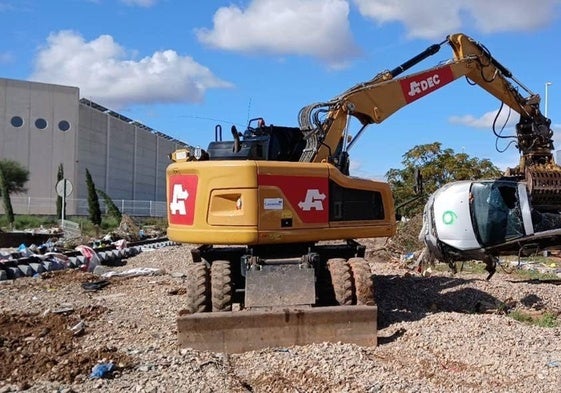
(58, 253)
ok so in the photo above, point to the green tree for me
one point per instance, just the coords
(13, 177)
(9, 211)
(59, 207)
(112, 209)
(93, 201)
(437, 166)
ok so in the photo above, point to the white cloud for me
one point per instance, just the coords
(508, 159)
(318, 28)
(506, 15)
(507, 119)
(6, 57)
(102, 71)
(486, 122)
(140, 3)
(556, 136)
(426, 19)
(321, 28)
(437, 18)
(5, 6)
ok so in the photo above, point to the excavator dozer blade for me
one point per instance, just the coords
(247, 330)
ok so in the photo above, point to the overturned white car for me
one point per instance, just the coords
(484, 219)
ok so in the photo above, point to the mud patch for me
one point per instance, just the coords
(37, 347)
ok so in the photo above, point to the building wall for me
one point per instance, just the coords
(146, 167)
(120, 159)
(91, 149)
(165, 148)
(126, 159)
(45, 137)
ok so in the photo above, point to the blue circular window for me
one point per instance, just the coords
(41, 123)
(63, 125)
(16, 121)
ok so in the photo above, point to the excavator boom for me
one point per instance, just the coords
(325, 124)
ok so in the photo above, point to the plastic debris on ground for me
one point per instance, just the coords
(141, 271)
(102, 370)
(95, 285)
(92, 259)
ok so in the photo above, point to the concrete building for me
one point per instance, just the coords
(44, 125)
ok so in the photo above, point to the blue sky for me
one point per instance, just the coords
(181, 67)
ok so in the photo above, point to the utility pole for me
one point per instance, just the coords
(547, 84)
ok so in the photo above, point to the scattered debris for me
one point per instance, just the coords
(91, 258)
(95, 285)
(78, 329)
(141, 271)
(102, 370)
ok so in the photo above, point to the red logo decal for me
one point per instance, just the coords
(308, 196)
(424, 83)
(181, 204)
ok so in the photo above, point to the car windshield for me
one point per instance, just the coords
(495, 211)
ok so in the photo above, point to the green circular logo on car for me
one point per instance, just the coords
(448, 217)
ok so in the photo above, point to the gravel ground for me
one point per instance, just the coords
(440, 333)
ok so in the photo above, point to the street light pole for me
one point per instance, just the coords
(547, 84)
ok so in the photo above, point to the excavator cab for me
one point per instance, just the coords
(258, 142)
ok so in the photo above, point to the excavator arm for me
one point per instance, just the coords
(533, 131)
(325, 125)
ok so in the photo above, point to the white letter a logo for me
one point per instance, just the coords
(314, 200)
(177, 204)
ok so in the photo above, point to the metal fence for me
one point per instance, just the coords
(79, 207)
(70, 229)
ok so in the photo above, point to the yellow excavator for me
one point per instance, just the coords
(274, 215)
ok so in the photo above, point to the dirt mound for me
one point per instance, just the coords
(49, 345)
(128, 229)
